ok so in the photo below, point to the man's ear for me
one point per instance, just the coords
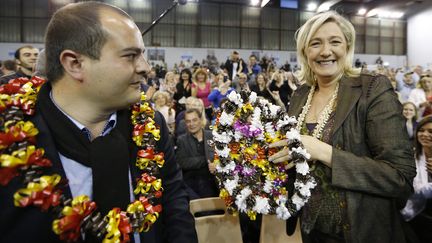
(72, 64)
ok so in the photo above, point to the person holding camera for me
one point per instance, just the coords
(279, 86)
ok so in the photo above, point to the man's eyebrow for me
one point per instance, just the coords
(134, 49)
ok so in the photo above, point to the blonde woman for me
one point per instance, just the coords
(351, 126)
(169, 84)
(161, 101)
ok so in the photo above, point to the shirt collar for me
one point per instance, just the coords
(109, 125)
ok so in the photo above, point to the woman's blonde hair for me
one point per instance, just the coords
(200, 71)
(159, 94)
(305, 33)
(196, 103)
(421, 83)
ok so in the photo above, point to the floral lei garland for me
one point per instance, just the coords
(324, 116)
(249, 183)
(19, 156)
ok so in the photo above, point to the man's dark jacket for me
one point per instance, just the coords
(29, 224)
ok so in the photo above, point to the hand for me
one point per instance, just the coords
(211, 167)
(282, 155)
(429, 165)
(317, 149)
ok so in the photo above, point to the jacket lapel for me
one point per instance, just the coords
(298, 100)
(348, 95)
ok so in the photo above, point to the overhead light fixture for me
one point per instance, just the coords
(312, 6)
(362, 11)
(396, 15)
(264, 2)
(372, 13)
(255, 2)
(325, 6)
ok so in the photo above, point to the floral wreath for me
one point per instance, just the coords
(248, 182)
(19, 156)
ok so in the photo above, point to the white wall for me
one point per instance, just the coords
(419, 32)
(174, 55)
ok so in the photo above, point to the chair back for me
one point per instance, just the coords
(223, 228)
(273, 230)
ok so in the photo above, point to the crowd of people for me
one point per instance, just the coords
(360, 127)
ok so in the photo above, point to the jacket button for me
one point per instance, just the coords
(346, 227)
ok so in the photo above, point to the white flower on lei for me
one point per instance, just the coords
(241, 199)
(261, 205)
(230, 185)
(282, 212)
(227, 169)
(304, 189)
(302, 151)
(298, 201)
(302, 168)
(253, 97)
(224, 152)
(237, 136)
(235, 98)
(223, 137)
(274, 109)
(226, 119)
(268, 186)
(293, 134)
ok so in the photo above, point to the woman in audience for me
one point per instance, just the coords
(161, 101)
(261, 88)
(183, 90)
(418, 209)
(169, 84)
(410, 113)
(422, 96)
(241, 83)
(279, 86)
(201, 88)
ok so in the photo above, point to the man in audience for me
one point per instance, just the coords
(25, 58)
(253, 69)
(235, 65)
(8, 67)
(406, 85)
(95, 62)
(195, 156)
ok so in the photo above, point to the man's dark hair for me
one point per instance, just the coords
(193, 110)
(76, 27)
(9, 65)
(18, 51)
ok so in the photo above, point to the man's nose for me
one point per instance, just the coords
(142, 66)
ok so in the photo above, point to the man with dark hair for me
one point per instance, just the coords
(235, 65)
(195, 156)
(95, 63)
(8, 67)
(25, 58)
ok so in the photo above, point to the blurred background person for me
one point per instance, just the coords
(410, 113)
(418, 209)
